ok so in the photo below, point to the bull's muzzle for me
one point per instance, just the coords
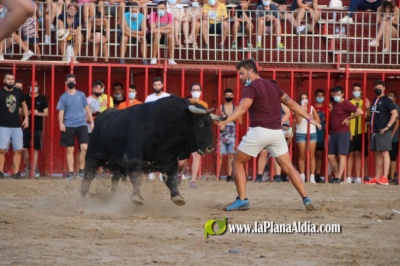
(207, 150)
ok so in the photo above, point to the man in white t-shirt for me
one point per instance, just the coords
(158, 87)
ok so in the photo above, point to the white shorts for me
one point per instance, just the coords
(10, 134)
(258, 138)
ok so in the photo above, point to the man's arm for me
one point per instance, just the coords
(286, 114)
(396, 127)
(286, 100)
(244, 105)
(25, 123)
(89, 113)
(61, 120)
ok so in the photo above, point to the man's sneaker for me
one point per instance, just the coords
(349, 180)
(373, 43)
(312, 179)
(238, 204)
(318, 178)
(229, 178)
(37, 174)
(303, 177)
(258, 179)
(249, 45)
(1, 175)
(302, 29)
(383, 181)
(47, 39)
(280, 46)
(81, 173)
(234, 45)
(346, 19)
(357, 180)
(171, 62)
(258, 45)
(153, 61)
(308, 204)
(1, 57)
(371, 181)
(160, 177)
(16, 176)
(192, 184)
(152, 176)
(27, 171)
(70, 176)
(277, 178)
(145, 62)
(27, 55)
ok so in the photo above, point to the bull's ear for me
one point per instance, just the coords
(217, 118)
(197, 110)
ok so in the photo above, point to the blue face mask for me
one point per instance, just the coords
(320, 99)
(132, 95)
(134, 15)
(161, 13)
(337, 98)
(211, 2)
(195, 4)
(172, 2)
(357, 94)
(248, 82)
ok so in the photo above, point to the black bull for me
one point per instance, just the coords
(148, 138)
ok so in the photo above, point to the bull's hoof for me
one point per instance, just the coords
(137, 200)
(178, 200)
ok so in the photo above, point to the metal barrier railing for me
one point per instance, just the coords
(108, 37)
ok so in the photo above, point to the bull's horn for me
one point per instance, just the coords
(215, 117)
(197, 110)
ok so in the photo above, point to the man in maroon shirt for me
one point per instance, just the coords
(339, 137)
(263, 100)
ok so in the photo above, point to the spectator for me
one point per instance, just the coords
(215, 21)
(339, 139)
(227, 138)
(9, 41)
(321, 109)
(388, 18)
(288, 16)
(71, 117)
(242, 22)
(71, 22)
(179, 16)
(87, 9)
(356, 143)
(268, 16)
(193, 18)
(131, 97)
(19, 84)
(158, 87)
(308, 9)
(119, 95)
(287, 132)
(161, 23)
(360, 5)
(134, 31)
(384, 115)
(99, 34)
(10, 124)
(30, 34)
(115, 8)
(301, 138)
(41, 110)
(394, 152)
(52, 11)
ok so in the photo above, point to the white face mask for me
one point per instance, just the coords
(266, 3)
(391, 98)
(196, 94)
(132, 95)
(36, 89)
(304, 101)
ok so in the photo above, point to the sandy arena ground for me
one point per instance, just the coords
(41, 224)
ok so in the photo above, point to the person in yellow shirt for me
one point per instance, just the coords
(131, 98)
(356, 131)
(215, 21)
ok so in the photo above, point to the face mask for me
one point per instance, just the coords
(304, 101)
(161, 13)
(134, 15)
(195, 4)
(36, 89)
(132, 95)
(266, 3)
(98, 94)
(196, 94)
(71, 85)
(102, 90)
(157, 91)
(9, 86)
(228, 99)
(378, 92)
(248, 81)
(320, 99)
(211, 2)
(337, 98)
(391, 98)
(172, 2)
(284, 132)
(118, 96)
(357, 94)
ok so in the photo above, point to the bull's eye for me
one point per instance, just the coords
(200, 123)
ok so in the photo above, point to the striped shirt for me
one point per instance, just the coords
(28, 29)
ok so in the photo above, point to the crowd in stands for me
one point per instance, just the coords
(176, 24)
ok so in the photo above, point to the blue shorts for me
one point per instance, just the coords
(303, 137)
(11, 135)
(227, 148)
(30, 40)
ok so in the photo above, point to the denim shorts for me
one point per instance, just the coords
(11, 135)
(303, 137)
(227, 148)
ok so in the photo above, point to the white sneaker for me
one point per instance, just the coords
(47, 39)
(358, 180)
(171, 62)
(373, 43)
(1, 57)
(152, 176)
(160, 177)
(346, 19)
(183, 177)
(348, 180)
(386, 50)
(52, 27)
(27, 55)
(153, 61)
(312, 179)
(303, 177)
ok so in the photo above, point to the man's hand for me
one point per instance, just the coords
(62, 127)
(25, 123)
(91, 126)
(383, 130)
(367, 103)
(318, 125)
(346, 121)
(36, 112)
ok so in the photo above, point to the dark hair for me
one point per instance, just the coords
(133, 4)
(97, 82)
(161, 3)
(387, 4)
(331, 90)
(19, 81)
(356, 85)
(195, 84)
(8, 74)
(394, 93)
(247, 64)
(99, 15)
(379, 82)
(69, 76)
(338, 89)
(318, 91)
(132, 86)
(118, 84)
(227, 90)
(156, 79)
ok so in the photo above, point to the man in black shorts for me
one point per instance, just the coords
(395, 141)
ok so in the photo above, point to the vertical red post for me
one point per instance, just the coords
(327, 120)
(183, 83)
(32, 124)
(52, 124)
(364, 91)
(127, 83)
(109, 84)
(308, 163)
(146, 81)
